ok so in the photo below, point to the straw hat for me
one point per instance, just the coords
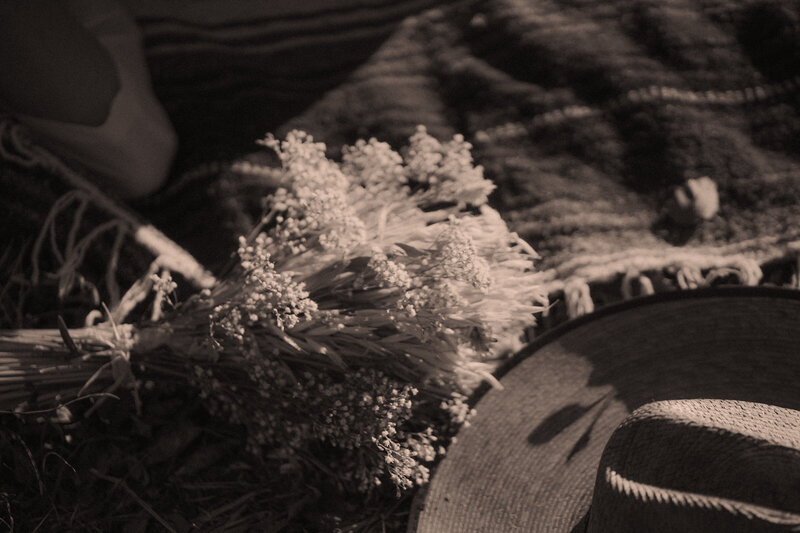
(675, 412)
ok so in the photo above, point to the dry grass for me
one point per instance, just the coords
(170, 469)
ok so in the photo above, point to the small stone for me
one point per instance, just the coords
(694, 201)
(479, 21)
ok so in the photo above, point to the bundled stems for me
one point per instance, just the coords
(369, 287)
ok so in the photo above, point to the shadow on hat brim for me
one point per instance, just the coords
(528, 460)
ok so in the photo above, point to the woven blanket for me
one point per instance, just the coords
(595, 119)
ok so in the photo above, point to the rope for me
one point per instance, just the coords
(68, 271)
(111, 270)
(49, 223)
(645, 493)
(170, 254)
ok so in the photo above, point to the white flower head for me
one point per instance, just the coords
(375, 166)
(269, 295)
(446, 169)
(388, 273)
(458, 259)
(316, 206)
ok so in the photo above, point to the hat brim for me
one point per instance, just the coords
(528, 460)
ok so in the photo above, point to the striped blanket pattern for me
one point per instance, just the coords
(586, 114)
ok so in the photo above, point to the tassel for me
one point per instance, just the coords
(578, 297)
(690, 277)
(645, 285)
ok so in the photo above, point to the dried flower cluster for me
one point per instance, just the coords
(366, 284)
(369, 288)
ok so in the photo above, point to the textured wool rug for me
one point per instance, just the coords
(597, 120)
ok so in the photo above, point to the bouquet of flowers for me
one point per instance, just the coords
(370, 287)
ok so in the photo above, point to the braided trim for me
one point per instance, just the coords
(604, 268)
(644, 276)
(651, 494)
(690, 267)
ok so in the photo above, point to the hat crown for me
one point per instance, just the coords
(700, 465)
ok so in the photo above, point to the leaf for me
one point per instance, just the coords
(410, 250)
(556, 423)
(67, 338)
(357, 264)
(581, 443)
(559, 421)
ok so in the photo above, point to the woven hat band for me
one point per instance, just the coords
(700, 465)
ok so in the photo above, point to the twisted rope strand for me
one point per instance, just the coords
(170, 254)
(651, 494)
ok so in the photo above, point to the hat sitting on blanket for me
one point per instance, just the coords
(679, 412)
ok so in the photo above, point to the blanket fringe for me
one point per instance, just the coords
(17, 148)
(581, 294)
